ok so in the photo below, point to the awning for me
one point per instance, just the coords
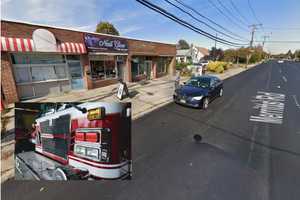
(27, 45)
(17, 44)
(70, 47)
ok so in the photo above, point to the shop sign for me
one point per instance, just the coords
(105, 43)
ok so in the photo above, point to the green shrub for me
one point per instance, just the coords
(180, 66)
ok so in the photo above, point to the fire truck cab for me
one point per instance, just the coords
(80, 141)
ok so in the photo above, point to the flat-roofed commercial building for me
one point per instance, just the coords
(37, 60)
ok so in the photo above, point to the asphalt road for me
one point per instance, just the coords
(237, 159)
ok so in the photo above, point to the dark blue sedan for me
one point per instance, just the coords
(199, 91)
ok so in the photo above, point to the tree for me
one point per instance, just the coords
(107, 28)
(297, 54)
(216, 54)
(230, 55)
(289, 54)
(182, 44)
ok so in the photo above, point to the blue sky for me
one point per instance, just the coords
(134, 20)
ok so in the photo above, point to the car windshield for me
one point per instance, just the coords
(199, 82)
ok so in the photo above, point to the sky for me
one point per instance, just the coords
(280, 19)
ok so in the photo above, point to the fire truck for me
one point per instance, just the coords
(79, 141)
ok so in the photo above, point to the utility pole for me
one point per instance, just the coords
(265, 37)
(253, 27)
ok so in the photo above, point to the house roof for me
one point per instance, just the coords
(203, 50)
(183, 52)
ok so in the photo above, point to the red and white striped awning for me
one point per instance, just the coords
(27, 45)
(70, 47)
(17, 44)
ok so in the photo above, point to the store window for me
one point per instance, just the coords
(37, 59)
(162, 65)
(35, 68)
(103, 67)
(138, 66)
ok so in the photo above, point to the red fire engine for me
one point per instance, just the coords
(80, 141)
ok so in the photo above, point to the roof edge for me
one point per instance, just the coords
(77, 30)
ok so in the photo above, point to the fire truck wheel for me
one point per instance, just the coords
(60, 175)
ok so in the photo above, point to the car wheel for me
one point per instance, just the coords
(205, 103)
(221, 92)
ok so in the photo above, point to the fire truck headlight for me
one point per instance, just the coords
(80, 150)
(103, 154)
(92, 152)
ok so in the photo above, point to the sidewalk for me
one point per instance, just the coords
(145, 97)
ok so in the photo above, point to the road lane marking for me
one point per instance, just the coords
(270, 107)
(296, 101)
(284, 78)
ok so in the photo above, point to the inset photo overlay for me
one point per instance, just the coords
(73, 141)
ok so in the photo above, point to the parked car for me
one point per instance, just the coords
(199, 91)
(280, 61)
(204, 62)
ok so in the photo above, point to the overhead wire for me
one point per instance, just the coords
(231, 14)
(227, 17)
(208, 19)
(201, 21)
(238, 12)
(186, 24)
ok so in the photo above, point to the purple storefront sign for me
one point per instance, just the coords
(99, 43)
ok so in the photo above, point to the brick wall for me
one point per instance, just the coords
(138, 47)
(19, 30)
(102, 83)
(9, 89)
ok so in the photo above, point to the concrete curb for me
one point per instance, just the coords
(151, 109)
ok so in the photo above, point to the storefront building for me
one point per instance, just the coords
(40, 60)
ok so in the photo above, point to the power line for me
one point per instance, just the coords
(230, 13)
(186, 24)
(283, 28)
(280, 41)
(197, 19)
(253, 13)
(220, 11)
(208, 19)
(238, 12)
